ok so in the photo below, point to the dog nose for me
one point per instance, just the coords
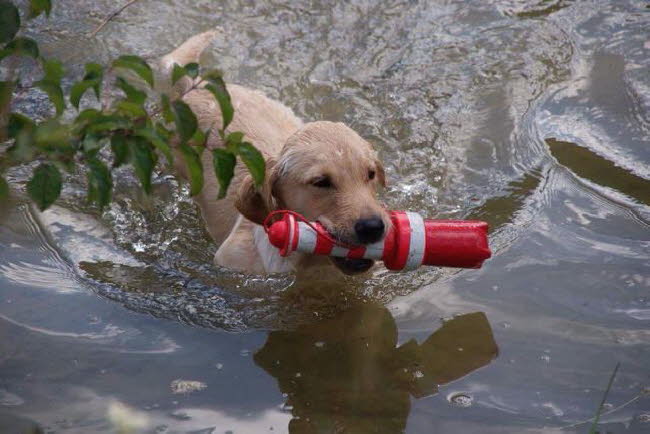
(369, 230)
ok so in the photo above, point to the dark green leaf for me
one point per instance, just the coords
(92, 143)
(157, 141)
(95, 74)
(131, 109)
(21, 129)
(253, 160)
(20, 46)
(6, 91)
(78, 90)
(223, 98)
(37, 7)
(186, 123)
(120, 150)
(177, 73)
(55, 93)
(132, 93)
(54, 71)
(51, 135)
(199, 138)
(137, 65)
(109, 123)
(45, 186)
(4, 189)
(143, 161)
(9, 21)
(194, 168)
(224, 168)
(192, 69)
(166, 108)
(100, 183)
(234, 139)
(19, 123)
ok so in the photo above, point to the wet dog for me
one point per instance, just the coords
(322, 170)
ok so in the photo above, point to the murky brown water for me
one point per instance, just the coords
(531, 114)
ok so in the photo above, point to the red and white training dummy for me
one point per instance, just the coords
(410, 242)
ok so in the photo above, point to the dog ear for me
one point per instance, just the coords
(381, 173)
(254, 202)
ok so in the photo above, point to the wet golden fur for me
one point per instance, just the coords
(297, 154)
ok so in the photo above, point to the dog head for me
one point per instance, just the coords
(328, 173)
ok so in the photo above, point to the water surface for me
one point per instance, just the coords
(530, 114)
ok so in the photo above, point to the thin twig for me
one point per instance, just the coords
(625, 404)
(111, 17)
(602, 402)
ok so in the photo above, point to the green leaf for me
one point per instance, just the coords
(131, 109)
(194, 168)
(6, 91)
(37, 7)
(18, 124)
(157, 141)
(95, 74)
(177, 73)
(55, 94)
(143, 161)
(45, 186)
(52, 135)
(253, 160)
(120, 150)
(132, 93)
(224, 168)
(105, 123)
(4, 189)
(137, 65)
(20, 46)
(21, 129)
(218, 89)
(78, 90)
(191, 70)
(92, 143)
(100, 183)
(9, 21)
(233, 139)
(186, 123)
(54, 71)
(166, 108)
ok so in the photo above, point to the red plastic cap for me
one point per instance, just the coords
(456, 243)
(279, 234)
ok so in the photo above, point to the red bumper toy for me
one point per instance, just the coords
(410, 242)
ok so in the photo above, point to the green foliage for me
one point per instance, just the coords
(20, 46)
(137, 65)
(224, 169)
(191, 70)
(194, 166)
(4, 188)
(131, 133)
(45, 186)
(9, 21)
(37, 7)
(91, 80)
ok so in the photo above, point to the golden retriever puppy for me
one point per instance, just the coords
(323, 170)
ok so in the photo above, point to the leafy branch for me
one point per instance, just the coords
(135, 134)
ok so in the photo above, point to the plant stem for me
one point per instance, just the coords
(111, 17)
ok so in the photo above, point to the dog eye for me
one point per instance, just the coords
(322, 182)
(371, 175)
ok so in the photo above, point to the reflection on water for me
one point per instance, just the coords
(347, 374)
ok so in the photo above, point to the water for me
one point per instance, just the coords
(530, 114)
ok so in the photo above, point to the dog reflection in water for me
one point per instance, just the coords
(347, 374)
